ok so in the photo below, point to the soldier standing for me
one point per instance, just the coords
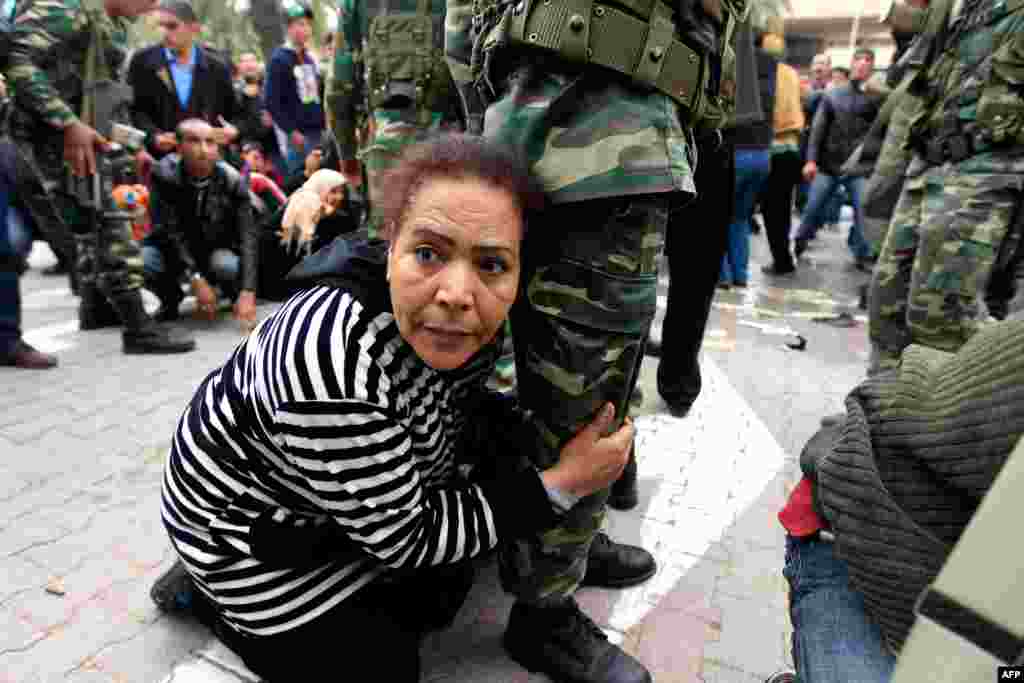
(600, 98)
(389, 85)
(60, 49)
(964, 183)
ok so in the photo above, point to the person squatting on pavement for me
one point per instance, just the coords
(841, 121)
(610, 137)
(15, 244)
(203, 229)
(389, 86)
(316, 488)
(964, 183)
(885, 496)
(56, 47)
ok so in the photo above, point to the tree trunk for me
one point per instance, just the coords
(267, 20)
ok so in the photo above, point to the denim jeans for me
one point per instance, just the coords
(834, 639)
(823, 190)
(752, 169)
(15, 243)
(162, 272)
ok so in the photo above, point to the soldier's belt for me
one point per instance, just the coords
(639, 43)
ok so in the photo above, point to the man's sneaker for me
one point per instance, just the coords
(173, 591)
(783, 676)
(565, 644)
(617, 565)
(799, 247)
(774, 270)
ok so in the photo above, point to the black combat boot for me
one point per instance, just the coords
(143, 335)
(95, 311)
(617, 565)
(566, 645)
(624, 495)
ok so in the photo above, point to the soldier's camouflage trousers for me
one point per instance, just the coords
(587, 300)
(937, 258)
(391, 135)
(113, 260)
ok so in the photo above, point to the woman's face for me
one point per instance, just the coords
(453, 268)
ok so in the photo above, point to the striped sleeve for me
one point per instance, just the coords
(357, 463)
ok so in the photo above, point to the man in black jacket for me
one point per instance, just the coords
(203, 229)
(178, 80)
(840, 123)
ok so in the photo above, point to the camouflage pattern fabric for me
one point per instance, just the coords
(883, 187)
(587, 132)
(375, 137)
(588, 298)
(937, 258)
(46, 66)
(949, 224)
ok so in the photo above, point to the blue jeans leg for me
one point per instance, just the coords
(225, 267)
(823, 187)
(19, 232)
(752, 170)
(856, 241)
(10, 296)
(834, 639)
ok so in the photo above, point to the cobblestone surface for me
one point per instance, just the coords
(84, 447)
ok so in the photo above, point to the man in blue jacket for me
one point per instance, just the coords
(292, 90)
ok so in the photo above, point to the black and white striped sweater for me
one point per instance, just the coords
(321, 456)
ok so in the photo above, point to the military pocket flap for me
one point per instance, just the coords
(596, 299)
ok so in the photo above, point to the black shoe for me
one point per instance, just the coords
(174, 590)
(783, 676)
(862, 297)
(799, 247)
(624, 495)
(617, 565)
(27, 357)
(95, 311)
(567, 645)
(775, 271)
(833, 420)
(144, 335)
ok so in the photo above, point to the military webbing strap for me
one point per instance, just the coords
(642, 47)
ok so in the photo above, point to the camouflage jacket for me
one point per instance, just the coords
(46, 64)
(587, 131)
(345, 90)
(978, 78)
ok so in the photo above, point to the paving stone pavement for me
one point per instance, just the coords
(81, 539)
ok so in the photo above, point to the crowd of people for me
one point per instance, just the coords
(445, 177)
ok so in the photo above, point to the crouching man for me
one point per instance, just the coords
(203, 230)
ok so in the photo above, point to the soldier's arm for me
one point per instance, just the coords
(345, 82)
(458, 51)
(39, 30)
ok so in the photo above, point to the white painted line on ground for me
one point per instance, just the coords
(48, 338)
(732, 457)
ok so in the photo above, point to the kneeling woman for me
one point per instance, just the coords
(314, 490)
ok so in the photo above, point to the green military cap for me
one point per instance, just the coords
(295, 9)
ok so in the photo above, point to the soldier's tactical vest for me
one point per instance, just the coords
(404, 63)
(995, 84)
(676, 49)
